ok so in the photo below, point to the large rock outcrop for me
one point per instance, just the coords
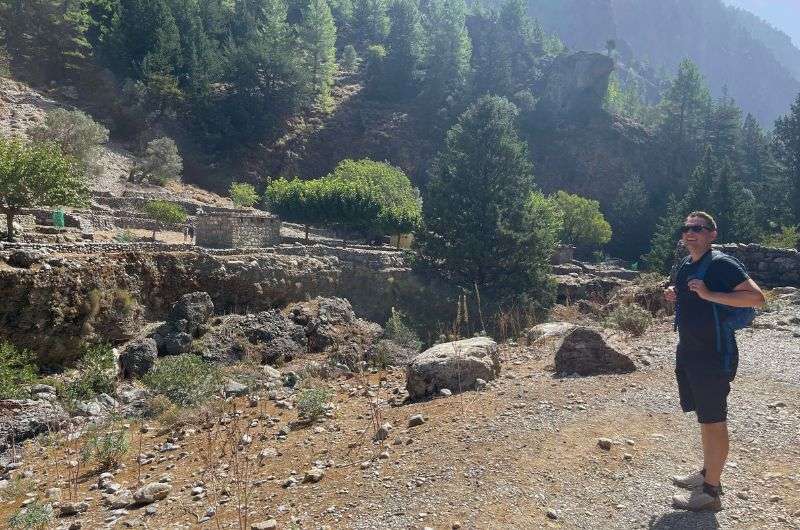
(21, 419)
(576, 84)
(455, 366)
(585, 351)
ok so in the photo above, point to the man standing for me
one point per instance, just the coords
(704, 372)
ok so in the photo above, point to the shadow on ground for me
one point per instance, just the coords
(682, 520)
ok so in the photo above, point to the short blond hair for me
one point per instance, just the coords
(710, 222)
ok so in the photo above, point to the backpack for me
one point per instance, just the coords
(727, 319)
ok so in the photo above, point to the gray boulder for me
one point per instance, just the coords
(24, 258)
(585, 351)
(190, 313)
(150, 493)
(452, 365)
(25, 418)
(549, 330)
(138, 357)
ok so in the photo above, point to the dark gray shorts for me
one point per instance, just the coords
(704, 393)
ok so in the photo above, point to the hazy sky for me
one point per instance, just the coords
(783, 14)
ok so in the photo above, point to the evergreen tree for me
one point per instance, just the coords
(724, 128)
(661, 256)
(474, 209)
(629, 218)
(342, 11)
(397, 75)
(684, 112)
(318, 40)
(754, 151)
(370, 22)
(447, 64)
(734, 208)
(787, 151)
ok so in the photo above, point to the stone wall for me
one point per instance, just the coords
(236, 230)
(769, 267)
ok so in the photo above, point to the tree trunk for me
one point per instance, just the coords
(398, 241)
(10, 226)
(154, 235)
(306, 233)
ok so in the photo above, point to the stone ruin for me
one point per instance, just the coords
(231, 229)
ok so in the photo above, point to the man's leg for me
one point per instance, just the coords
(715, 450)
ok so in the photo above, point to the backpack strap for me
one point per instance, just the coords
(686, 261)
(705, 263)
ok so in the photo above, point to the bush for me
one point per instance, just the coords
(125, 236)
(311, 402)
(399, 332)
(788, 237)
(35, 515)
(17, 370)
(243, 195)
(96, 374)
(74, 131)
(630, 318)
(109, 448)
(160, 164)
(184, 379)
(164, 213)
(349, 59)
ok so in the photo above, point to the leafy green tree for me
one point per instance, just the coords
(318, 39)
(296, 201)
(243, 195)
(160, 164)
(37, 174)
(447, 66)
(475, 206)
(400, 203)
(74, 131)
(584, 223)
(164, 213)
(787, 150)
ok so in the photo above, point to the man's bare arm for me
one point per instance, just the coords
(746, 294)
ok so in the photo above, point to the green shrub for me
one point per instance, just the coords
(184, 379)
(164, 213)
(584, 224)
(109, 448)
(96, 374)
(311, 402)
(35, 515)
(349, 59)
(243, 195)
(17, 370)
(125, 236)
(398, 331)
(788, 237)
(160, 163)
(630, 318)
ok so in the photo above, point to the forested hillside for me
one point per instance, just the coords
(734, 51)
(254, 90)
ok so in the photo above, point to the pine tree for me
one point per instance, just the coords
(787, 151)
(397, 76)
(629, 218)
(724, 127)
(476, 200)
(447, 65)
(684, 112)
(665, 238)
(318, 39)
(370, 22)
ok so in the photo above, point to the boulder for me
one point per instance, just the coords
(576, 84)
(138, 357)
(584, 351)
(150, 493)
(177, 343)
(453, 365)
(549, 330)
(190, 313)
(25, 418)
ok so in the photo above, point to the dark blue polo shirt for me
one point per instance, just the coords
(697, 348)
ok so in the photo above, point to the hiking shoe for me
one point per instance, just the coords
(697, 500)
(691, 481)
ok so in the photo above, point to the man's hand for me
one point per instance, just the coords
(699, 287)
(669, 294)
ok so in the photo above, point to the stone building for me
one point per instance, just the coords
(237, 228)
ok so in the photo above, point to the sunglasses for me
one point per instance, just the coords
(694, 228)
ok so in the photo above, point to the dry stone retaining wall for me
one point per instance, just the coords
(770, 267)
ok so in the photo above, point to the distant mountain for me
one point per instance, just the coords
(786, 51)
(783, 14)
(733, 51)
